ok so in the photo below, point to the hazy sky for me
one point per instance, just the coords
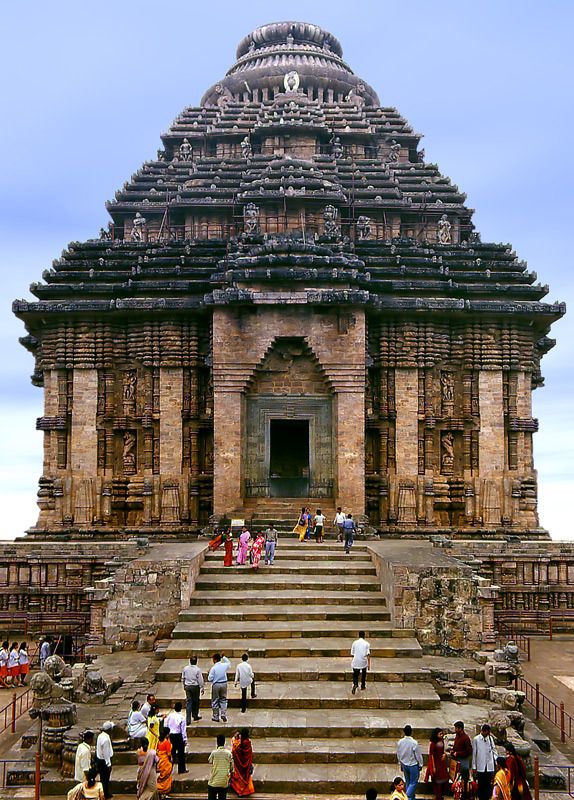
(87, 87)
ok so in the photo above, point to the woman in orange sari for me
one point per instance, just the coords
(241, 780)
(164, 764)
(501, 790)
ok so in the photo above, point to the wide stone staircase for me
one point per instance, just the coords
(296, 620)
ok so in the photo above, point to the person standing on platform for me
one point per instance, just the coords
(83, 760)
(349, 531)
(218, 679)
(257, 550)
(271, 539)
(410, 758)
(228, 547)
(221, 762)
(437, 769)
(462, 752)
(104, 753)
(484, 755)
(177, 736)
(45, 650)
(319, 524)
(338, 522)
(245, 678)
(361, 652)
(193, 685)
(24, 661)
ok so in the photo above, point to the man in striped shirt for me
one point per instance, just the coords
(221, 762)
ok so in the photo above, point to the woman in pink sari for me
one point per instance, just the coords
(257, 549)
(147, 773)
(243, 546)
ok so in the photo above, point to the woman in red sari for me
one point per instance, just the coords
(241, 780)
(228, 544)
(516, 773)
(257, 549)
(437, 770)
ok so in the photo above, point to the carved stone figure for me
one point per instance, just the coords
(138, 228)
(395, 151)
(363, 226)
(246, 149)
(224, 95)
(356, 95)
(185, 151)
(421, 155)
(291, 82)
(331, 222)
(336, 147)
(447, 388)
(447, 452)
(251, 219)
(444, 230)
(106, 235)
(129, 387)
(129, 452)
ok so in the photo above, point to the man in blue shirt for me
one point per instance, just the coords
(349, 531)
(218, 679)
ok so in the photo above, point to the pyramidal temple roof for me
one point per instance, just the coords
(289, 174)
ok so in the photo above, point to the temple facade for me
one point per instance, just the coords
(290, 305)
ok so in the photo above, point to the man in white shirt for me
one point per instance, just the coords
(83, 756)
(361, 652)
(484, 754)
(410, 759)
(338, 522)
(245, 678)
(150, 701)
(177, 736)
(192, 679)
(104, 753)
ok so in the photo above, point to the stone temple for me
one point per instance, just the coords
(289, 307)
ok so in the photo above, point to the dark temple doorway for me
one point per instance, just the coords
(289, 458)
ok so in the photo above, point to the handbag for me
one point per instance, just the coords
(453, 769)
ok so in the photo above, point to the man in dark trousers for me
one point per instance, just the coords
(177, 736)
(484, 755)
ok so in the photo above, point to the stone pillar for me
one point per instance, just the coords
(487, 596)
(226, 451)
(491, 446)
(491, 439)
(407, 423)
(84, 440)
(170, 421)
(351, 451)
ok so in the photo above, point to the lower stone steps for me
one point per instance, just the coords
(271, 613)
(313, 694)
(286, 629)
(389, 670)
(310, 647)
(296, 751)
(256, 579)
(338, 778)
(246, 596)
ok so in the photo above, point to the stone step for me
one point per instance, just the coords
(267, 612)
(301, 552)
(314, 694)
(255, 579)
(390, 647)
(281, 629)
(247, 597)
(323, 669)
(284, 567)
(329, 778)
(295, 751)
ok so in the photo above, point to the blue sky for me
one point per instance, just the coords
(88, 87)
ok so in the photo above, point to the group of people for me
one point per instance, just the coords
(14, 664)
(309, 525)
(473, 765)
(249, 549)
(194, 686)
